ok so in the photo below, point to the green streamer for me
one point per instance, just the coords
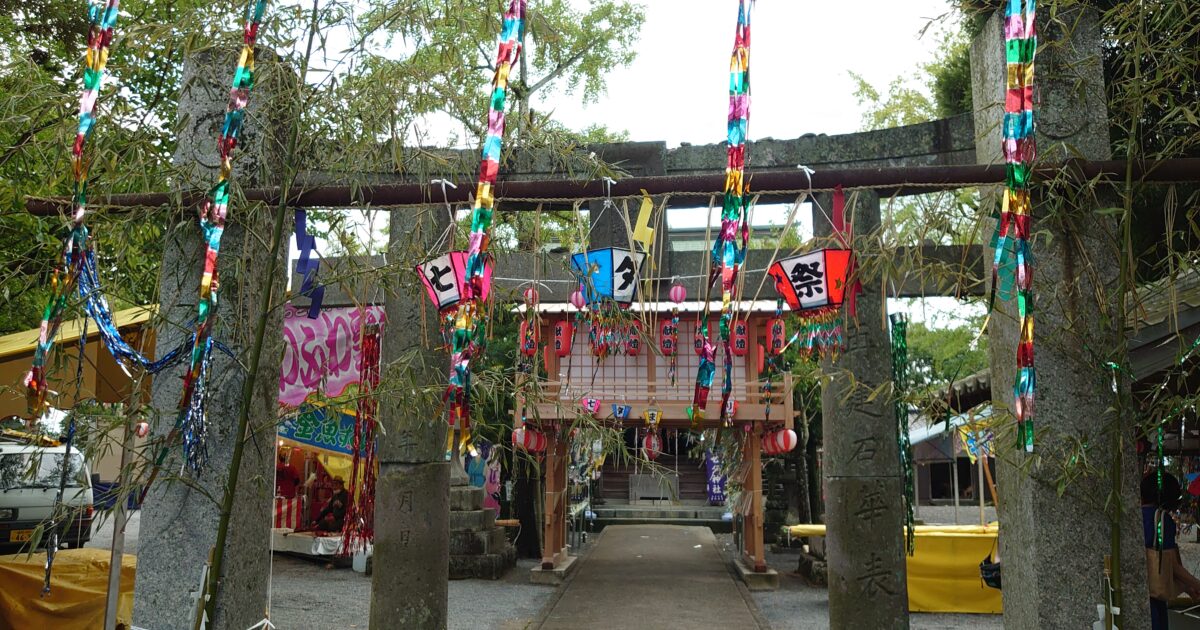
(899, 389)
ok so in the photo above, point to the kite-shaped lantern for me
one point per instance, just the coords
(813, 280)
(445, 279)
(608, 274)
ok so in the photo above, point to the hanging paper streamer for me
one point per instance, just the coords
(899, 389)
(729, 249)
(468, 337)
(1013, 230)
(102, 18)
(359, 528)
(192, 422)
(308, 265)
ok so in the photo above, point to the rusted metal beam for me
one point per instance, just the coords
(773, 184)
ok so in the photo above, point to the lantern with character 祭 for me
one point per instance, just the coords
(445, 281)
(814, 280)
(608, 274)
(814, 286)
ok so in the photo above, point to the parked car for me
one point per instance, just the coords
(29, 481)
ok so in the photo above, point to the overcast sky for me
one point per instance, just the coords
(801, 57)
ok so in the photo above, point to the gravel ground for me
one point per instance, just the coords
(304, 594)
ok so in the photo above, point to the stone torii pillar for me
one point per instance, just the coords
(864, 512)
(1053, 547)
(410, 568)
(181, 513)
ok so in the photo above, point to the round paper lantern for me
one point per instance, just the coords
(528, 440)
(141, 429)
(652, 445)
(531, 297)
(779, 442)
(740, 342)
(678, 294)
(577, 299)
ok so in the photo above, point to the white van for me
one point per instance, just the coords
(29, 479)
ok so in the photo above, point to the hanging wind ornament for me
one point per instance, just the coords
(900, 388)
(608, 280)
(192, 417)
(729, 250)
(669, 331)
(102, 18)
(359, 528)
(814, 286)
(468, 338)
(1013, 264)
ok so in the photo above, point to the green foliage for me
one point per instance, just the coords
(906, 102)
(939, 355)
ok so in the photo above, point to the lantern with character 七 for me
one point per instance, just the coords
(445, 281)
(814, 280)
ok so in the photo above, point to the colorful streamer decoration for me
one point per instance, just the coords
(359, 528)
(308, 265)
(1013, 230)
(191, 422)
(102, 18)
(467, 340)
(729, 250)
(900, 387)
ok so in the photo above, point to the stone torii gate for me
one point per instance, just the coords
(1053, 548)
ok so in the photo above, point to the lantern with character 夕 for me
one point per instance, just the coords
(445, 281)
(814, 280)
(608, 274)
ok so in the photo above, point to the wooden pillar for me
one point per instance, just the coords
(755, 553)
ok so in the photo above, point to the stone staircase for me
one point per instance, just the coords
(478, 549)
(690, 507)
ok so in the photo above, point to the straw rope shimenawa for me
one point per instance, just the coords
(773, 186)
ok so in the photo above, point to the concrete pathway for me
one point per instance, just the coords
(652, 576)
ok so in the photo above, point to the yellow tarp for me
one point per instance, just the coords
(76, 598)
(943, 573)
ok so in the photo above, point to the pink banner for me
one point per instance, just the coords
(322, 354)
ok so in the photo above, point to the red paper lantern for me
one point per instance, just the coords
(529, 440)
(445, 279)
(776, 335)
(633, 339)
(668, 337)
(529, 338)
(779, 442)
(563, 333)
(531, 297)
(739, 338)
(813, 280)
(652, 445)
(698, 338)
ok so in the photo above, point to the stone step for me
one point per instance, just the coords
(466, 498)
(716, 525)
(472, 520)
(466, 543)
(649, 511)
(489, 566)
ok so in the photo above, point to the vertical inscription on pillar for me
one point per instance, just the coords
(871, 504)
(865, 449)
(875, 578)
